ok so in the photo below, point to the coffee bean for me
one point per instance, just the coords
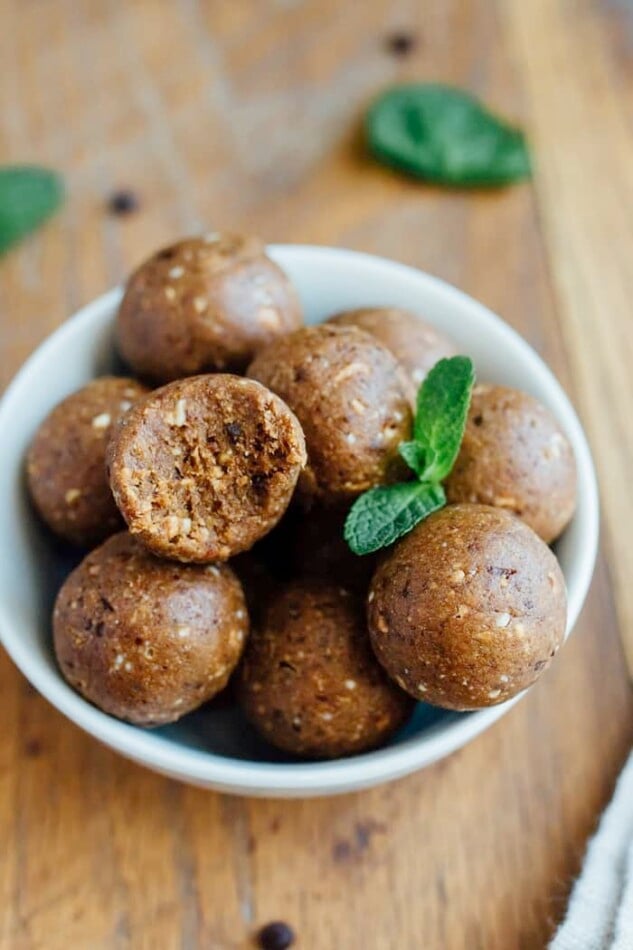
(401, 44)
(123, 202)
(276, 936)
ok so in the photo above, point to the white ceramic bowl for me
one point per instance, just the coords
(216, 749)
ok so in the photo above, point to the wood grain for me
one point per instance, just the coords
(245, 113)
(585, 193)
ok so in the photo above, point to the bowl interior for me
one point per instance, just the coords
(215, 746)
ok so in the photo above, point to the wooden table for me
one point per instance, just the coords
(245, 114)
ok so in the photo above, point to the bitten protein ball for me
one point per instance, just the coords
(468, 609)
(205, 466)
(309, 681)
(66, 461)
(204, 304)
(147, 640)
(416, 344)
(350, 396)
(515, 456)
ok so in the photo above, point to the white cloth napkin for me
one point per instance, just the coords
(600, 911)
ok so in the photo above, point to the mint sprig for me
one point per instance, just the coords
(444, 135)
(442, 407)
(382, 515)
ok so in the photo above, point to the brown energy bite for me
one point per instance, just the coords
(350, 396)
(309, 681)
(205, 304)
(514, 455)
(205, 466)
(416, 344)
(144, 639)
(65, 465)
(468, 609)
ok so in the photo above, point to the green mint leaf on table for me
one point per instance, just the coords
(384, 514)
(440, 417)
(28, 196)
(444, 135)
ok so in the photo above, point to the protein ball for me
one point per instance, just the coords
(350, 396)
(416, 344)
(468, 609)
(515, 456)
(203, 467)
(65, 466)
(309, 682)
(144, 639)
(204, 304)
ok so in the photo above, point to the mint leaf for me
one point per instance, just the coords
(28, 196)
(440, 418)
(444, 135)
(384, 514)
(415, 456)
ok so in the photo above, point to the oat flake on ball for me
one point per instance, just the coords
(204, 304)
(205, 466)
(350, 396)
(468, 609)
(145, 639)
(65, 466)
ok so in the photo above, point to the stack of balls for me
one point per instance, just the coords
(218, 500)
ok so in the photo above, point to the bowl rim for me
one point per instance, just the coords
(306, 779)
